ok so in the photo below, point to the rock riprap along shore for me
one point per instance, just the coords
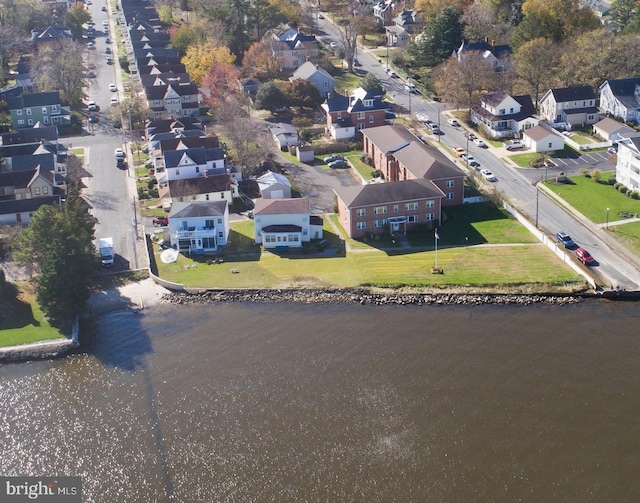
(363, 296)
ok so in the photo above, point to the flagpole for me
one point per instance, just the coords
(435, 238)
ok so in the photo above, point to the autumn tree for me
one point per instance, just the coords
(441, 35)
(261, 62)
(481, 22)
(461, 82)
(55, 67)
(432, 8)
(250, 144)
(536, 62)
(225, 98)
(351, 21)
(197, 32)
(200, 59)
(58, 246)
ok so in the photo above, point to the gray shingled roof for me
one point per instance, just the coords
(282, 206)
(199, 155)
(34, 100)
(385, 193)
(198, 209)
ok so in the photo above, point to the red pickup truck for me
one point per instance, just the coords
(162, 221)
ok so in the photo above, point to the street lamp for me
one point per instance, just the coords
(607, 218)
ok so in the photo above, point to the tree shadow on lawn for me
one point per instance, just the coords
(19, 312)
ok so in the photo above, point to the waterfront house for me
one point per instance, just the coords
(285, 223)
(198, 227)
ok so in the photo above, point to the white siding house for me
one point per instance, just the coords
(621, 98)
(542, 139)
(284, 223)
(199, 227)
(628, 166)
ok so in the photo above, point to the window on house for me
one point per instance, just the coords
(412, 219)
(37, 191)
(361, 116)
(206, 197)
(28, 111)
(450, 195)
(501, 111)
(430, 217)
(44, 110)
(411, 206)
(431, 204)
(209, 224)
(550, 145)
(370, 119)
(177, 171)
(368, 103)
(220, 234)
(378, 223)
(339, 115)
(361, 212)
(395, 208)
(21, 122)
(18, 112)
(325, 85)
(449, 184)
(197, 169)
(380, 210)
(361, 225)
(30, 122)
(45, 190)
(360, 126)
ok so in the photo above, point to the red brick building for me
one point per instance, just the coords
(347, 115)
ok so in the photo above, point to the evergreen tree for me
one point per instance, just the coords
(440, 37)
(269, 97)
(58, 244)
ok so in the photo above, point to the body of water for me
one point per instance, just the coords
(337, 403)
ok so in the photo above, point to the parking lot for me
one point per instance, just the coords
(570, 165)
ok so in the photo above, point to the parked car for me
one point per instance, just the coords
(104, 9)
(422, 117)
(107, 50)
(105, 24)
(107, 40)
(584, 256)
(612, 151)
(334, 157)
(112, 88)
(119, 153)
(453, 122)
(92, 107)
(564, 239)
(109, 61)
(356, 62)
(513, 144)
(459, 151)
(470, 160)
(433, 127)
(339, 164)
(320, 16)
(390, 72)
(471, 136)
(161, 221)
(114, 100)
(410, 87)
(488, 175)
(479, 143)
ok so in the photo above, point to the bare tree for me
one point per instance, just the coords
(352, 20)
(461, 82)
(250, 144)
(56, 67)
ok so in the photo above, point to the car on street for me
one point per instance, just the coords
(92, 107)
(391, 73)
(488, 175)
(584, 256)
(119, 153)
(339, 164)
(470, 160)
(479, 142)
(104, 9)
(105, 24)
(109, 61)
(513, 144)
(410, 87)
(117, 124)
(433, 127)
(453, 122)
(91, 45)
(612, 151)
(356, 62)
(114, 100)
(334, 157)
(107, 40)
(320, 16)
(107, 50)
(471, 136)
(112, 88)
(161, 221)
(422, 117)
(564, 239)
(459, 151)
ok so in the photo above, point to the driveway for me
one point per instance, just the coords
(318, 183)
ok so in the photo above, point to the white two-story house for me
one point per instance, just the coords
(621, 98)
(199, 227)
(504, 116)
(285, 223)
(575, 106)
(189, 163)
(628, 165)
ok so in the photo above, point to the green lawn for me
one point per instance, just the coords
(498, 260)
(523, 160)
(28, 324)
(592, 199)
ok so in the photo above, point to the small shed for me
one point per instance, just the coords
(611, 129)
(305, 153)
(284, 135)
(274, 186)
